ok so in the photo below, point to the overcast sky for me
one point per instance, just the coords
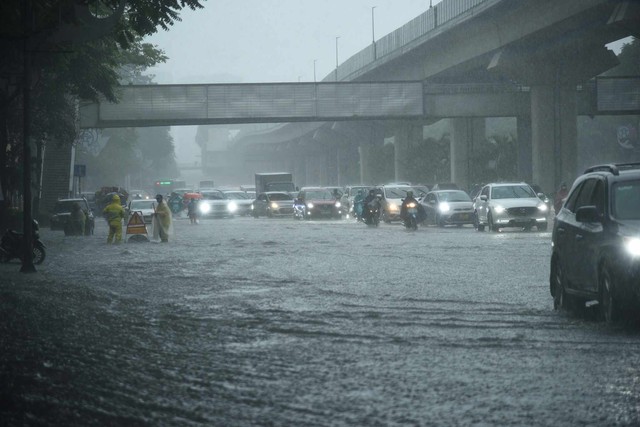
(256, 41)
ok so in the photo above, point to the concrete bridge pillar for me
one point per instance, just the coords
(554, 135)
(406, 134)
(371, 136)
(524, 148)
(465, 132)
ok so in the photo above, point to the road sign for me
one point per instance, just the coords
(80, 170)
(136, 224)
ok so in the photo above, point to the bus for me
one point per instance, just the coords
(166, 186)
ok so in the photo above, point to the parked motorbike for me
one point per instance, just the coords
(12, 243)
(411, 216)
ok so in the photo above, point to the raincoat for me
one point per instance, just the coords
(114, 214)
(162, 226)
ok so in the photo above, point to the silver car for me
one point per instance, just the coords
(502, 205)
(448, 207)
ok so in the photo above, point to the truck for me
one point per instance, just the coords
(275, 181)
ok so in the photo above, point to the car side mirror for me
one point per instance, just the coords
(588, 214)
(483, 198)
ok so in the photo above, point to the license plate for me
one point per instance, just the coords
(412, 211)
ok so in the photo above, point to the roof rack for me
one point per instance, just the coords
(614, 168)
(606, 168)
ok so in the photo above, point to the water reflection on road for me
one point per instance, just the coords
(279, 322)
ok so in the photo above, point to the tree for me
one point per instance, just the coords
(85, 65)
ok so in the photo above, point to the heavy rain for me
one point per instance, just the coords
(405, 213)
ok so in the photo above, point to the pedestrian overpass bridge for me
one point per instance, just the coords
(168, 105)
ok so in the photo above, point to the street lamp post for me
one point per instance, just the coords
(337, 37)
(373, 32)
(314, 70)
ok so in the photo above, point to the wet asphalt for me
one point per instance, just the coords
(276, 322)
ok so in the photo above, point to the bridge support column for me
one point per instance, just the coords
(524, 148)
(406, 134)
(464, 133)
(372, 136)
(554, 135)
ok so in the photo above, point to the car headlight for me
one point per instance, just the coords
(204, 207)
(232, 206)
(274, 205)
(310, 205)
(632, 245)
(499, 209)
(542, 207)
(393, 207)
(444, 207)
(338, 204)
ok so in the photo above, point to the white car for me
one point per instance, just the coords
(501, 205)
(214, 204)
(146, 206)
(242, 200)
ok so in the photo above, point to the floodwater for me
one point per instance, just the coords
(275, 322)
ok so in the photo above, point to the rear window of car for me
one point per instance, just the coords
(65, 206)
(626, 200)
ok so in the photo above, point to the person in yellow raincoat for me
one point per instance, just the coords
(114, 214)
(162, 220)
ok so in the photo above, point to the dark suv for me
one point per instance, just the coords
(596, 242)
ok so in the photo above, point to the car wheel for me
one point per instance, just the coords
(560, 298)
(610, 309)
(439, 221)
(542, 227)
(492, 226)
(385, 217)
(38, 255)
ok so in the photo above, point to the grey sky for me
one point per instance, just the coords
(255, 41)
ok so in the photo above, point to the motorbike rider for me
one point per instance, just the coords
(372, 198)
(358, 203)
(422, 214)
(114, 214)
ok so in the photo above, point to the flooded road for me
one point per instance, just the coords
(275, 322)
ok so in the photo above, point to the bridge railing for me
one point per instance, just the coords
(435, 17)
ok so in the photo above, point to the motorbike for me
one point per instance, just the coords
(411, 216)
(357, 210)
(12, 243)
(371, 215)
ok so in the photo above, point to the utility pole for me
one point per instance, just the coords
(373, 33)
(337, 37)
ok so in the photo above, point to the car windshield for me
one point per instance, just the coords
(396, 192)
(626, 200)
(453, 196)
(65, 206)
(319, 195)
(236, 195)
(512, 192)
(143, 204)
(280, 196)
(213, 196)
